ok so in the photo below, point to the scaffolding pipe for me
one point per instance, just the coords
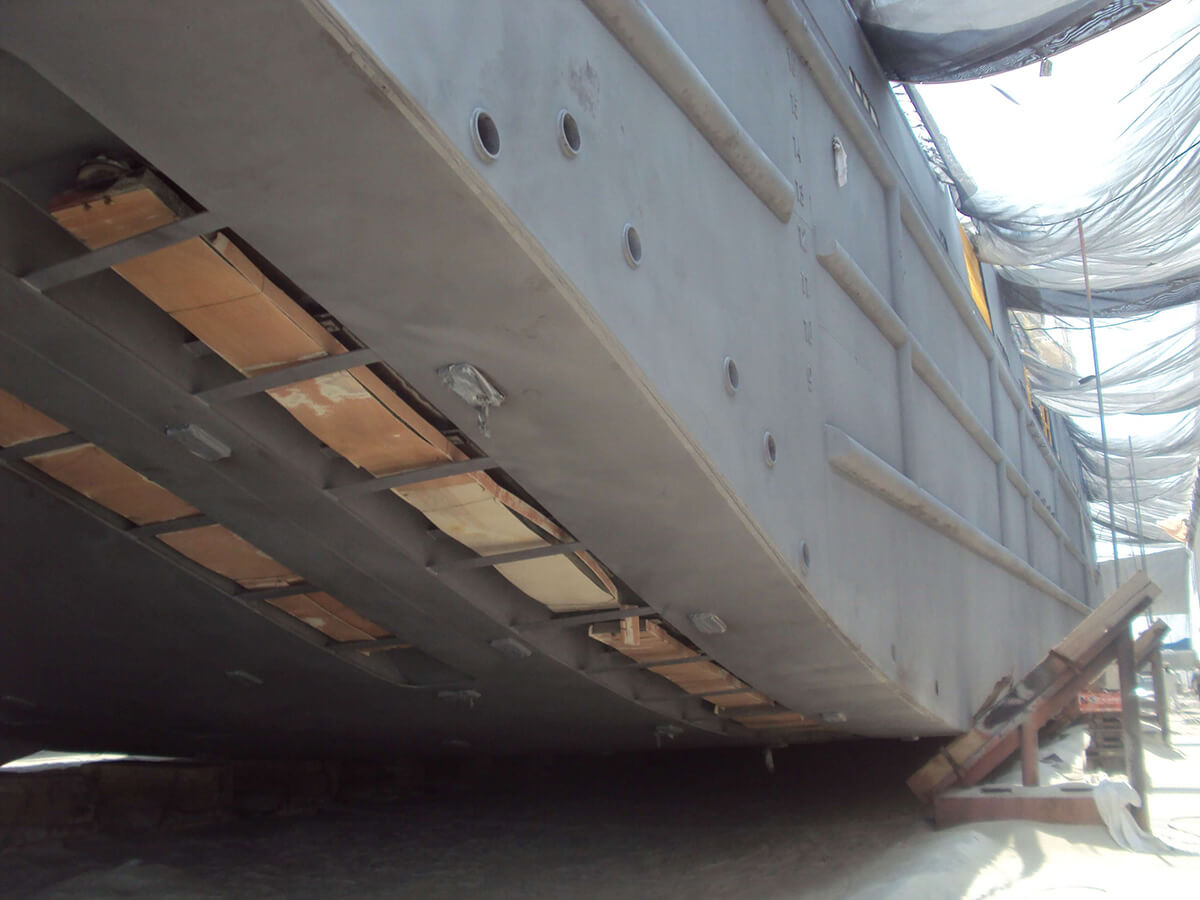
(1137, 504)
(1112, 519)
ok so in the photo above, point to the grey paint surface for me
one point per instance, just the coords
(367, 194)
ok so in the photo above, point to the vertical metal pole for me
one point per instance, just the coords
(1112, 519)
(1137, 504)
(1161, 705)
(1131, 722)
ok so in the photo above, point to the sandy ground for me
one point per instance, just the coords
(664, 825)
(1022, 860)
(833, 821)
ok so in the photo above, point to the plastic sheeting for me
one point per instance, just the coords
(1113, 799)
(1158, 370)
(951, 40)
(1111, 138)
(1150, 375)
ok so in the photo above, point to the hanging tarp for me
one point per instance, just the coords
(1150, 373)
(1109, 139)
(1151, 365)
(1112, 137)
(953, 40)
(1115, 303)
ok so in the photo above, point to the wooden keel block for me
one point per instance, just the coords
(631, 630)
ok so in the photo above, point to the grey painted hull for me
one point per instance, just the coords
(335, 138)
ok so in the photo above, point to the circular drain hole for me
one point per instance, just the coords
(569, 137)
(485, 135)
(732, 379)
(769, 449)
(632, 245)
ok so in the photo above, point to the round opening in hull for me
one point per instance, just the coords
(632, 246)
(485, 135)
(569, 138)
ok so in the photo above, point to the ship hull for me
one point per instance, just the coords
(336, 140)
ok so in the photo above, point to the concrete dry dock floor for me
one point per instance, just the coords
(834, 821)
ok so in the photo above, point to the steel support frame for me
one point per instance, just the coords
(313, 368)
(970, 772)
(500, 559)
(252, 600)
(411, 476)
(577, 620)
(273, 490)
(90, 263)
(632, 667)
(41, 445)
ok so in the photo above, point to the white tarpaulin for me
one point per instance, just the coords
(1112, 139)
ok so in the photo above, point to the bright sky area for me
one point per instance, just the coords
(1045, 148)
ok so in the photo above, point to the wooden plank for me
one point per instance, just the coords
(733, 701)
(348, 418)
(465, 509)
(186, 276)
(250, 334)
(20, 422)
(1083, 638)
(558, 584)
(780, 720)
(1003, 744)
(103, 219)
(285, 306)
(216, 547)
(995, 735)
(631, 631)
(105, 479)
(218, 294)
(334, 619)
(655, 644)
(471, 513)
(370, 648)
(406, 414)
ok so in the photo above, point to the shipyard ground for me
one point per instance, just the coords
(833, 821)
